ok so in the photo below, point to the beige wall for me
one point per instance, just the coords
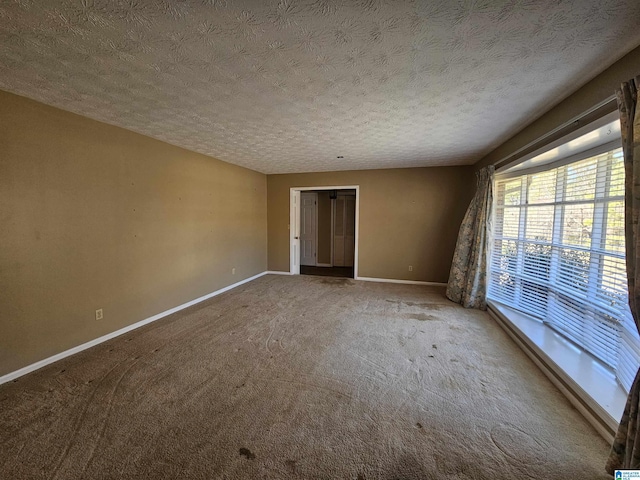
(94, 216)
(407, 217)
(586, 97)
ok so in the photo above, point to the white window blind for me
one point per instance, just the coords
(558, 255)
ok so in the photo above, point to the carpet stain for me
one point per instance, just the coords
(336, 281)
(427, 306)
(423, 317)
(361, 477)
(291, 464)
(245, 452)
(419, 425)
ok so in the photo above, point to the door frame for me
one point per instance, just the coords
(294, 227)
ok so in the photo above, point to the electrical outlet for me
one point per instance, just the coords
(233, 271)
(99, 314)
(411, 268)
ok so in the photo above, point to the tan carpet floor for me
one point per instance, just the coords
(300, 377)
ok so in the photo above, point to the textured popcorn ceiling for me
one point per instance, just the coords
(287, 86)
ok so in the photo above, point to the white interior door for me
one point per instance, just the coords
(349, 230)
(308, 228)
(338, 232)
(294, 231)
(344, 230)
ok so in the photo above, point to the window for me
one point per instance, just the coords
(558, 255)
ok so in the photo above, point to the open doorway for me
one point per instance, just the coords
(324, 231)
(327, 232)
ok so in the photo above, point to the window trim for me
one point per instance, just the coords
(596, 117)
(599, 150)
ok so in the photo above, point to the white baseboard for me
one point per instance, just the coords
(407, 282)
(59, 356)
(276, 272)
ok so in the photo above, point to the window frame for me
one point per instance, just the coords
(597, 250)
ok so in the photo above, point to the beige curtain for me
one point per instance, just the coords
(468, 276)
(625, 451)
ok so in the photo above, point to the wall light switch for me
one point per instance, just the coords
(233, 271)
(99, 314)
(411, 268)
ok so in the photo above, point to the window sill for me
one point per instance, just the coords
(588, 384)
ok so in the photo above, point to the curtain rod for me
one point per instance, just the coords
(602, 108)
